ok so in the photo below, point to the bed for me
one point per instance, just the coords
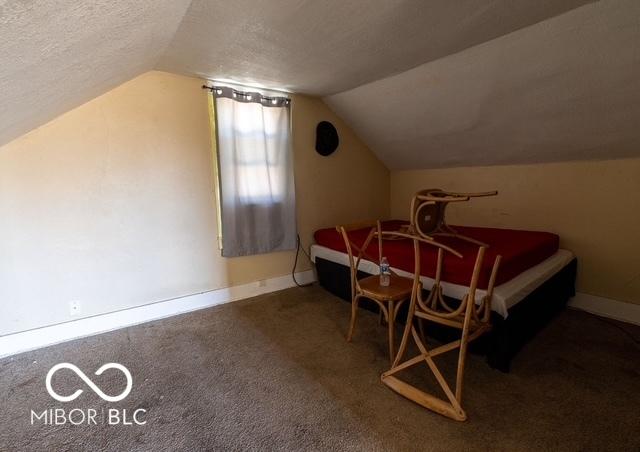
(535, 280)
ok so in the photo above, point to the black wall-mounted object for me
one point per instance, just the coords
(327, 139)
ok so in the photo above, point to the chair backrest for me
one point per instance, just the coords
(428, 210)
(417, 266)
(357, 252)
(428, 207)
(435, 305)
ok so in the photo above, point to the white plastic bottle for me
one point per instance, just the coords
(385, 273)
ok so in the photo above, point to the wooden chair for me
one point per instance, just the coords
(427, 214)
(472, 319)
(388, 298)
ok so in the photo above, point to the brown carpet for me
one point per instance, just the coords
(275, 373)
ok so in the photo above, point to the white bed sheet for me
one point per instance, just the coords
(505, 295)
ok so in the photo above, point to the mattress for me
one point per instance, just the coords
(520, 250)
(529, 259)
(505, 295)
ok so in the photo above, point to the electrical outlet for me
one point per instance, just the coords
(262, 283)
(74, 308)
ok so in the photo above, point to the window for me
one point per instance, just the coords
(257, 198)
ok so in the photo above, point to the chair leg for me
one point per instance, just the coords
(354, 313)
(421, 330)
(450, 406)
(392, 321)
(405, 336)
(462, 356)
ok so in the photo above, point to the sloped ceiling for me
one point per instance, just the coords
(323, 47)
(57, 54)
(425, 83)
(564, 89)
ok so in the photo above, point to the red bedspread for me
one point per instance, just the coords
(520, 251)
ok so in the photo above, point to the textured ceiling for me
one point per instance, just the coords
(426, 83)
(57, 54)
(567, 88)
(323, 47)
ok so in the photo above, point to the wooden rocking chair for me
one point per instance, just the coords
(388, 298)
(428, 208)
(470, 318)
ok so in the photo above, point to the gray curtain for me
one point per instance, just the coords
(256, 172)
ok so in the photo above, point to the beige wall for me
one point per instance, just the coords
(593, 206)
(111, 204)
(349, 185)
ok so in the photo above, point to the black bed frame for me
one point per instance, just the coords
(507, 336)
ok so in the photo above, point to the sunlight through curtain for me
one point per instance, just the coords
(256, 172)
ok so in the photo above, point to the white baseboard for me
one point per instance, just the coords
(12, 344)
(606, 307)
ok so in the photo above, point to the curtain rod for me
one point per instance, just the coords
(247, 93)
(242, 93)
